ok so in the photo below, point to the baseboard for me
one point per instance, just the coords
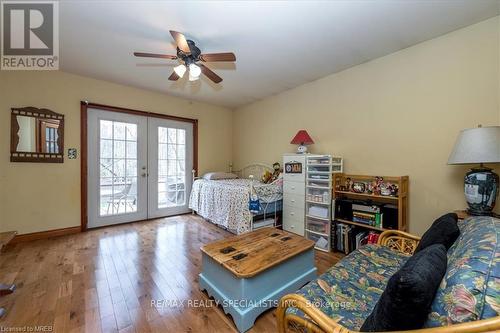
(45, 234)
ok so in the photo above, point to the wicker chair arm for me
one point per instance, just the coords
(399, 241)
(317, 321)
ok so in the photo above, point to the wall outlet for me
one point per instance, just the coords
(72, 154)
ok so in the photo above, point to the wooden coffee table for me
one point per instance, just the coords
(249, 273)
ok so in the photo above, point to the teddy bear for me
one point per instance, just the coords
(266, 177)
(276, 172)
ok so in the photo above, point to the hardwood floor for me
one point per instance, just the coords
(105, 280)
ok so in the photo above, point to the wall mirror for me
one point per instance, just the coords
(37, 135)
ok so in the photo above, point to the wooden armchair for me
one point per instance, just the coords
(315, 321)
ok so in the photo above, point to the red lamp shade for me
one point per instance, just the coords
(302, 138)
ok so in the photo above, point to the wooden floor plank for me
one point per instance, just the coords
(107, 280)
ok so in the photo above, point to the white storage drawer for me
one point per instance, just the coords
(294, 200)
(294, 177)
(294, 188)
(293, 212)
(295, 225)
(299, 177)
(318, 226)
(319, 211)
(322, 242)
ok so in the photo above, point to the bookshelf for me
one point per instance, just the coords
(401, 200)
(397, 203)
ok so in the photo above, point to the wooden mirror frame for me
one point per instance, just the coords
(18, 156)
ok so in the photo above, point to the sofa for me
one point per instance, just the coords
(467, 300)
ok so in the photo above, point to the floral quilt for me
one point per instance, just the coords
(225, 202)
(269, 192)
(348, 291)
(470, 289)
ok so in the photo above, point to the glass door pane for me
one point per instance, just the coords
(118, 168)
(171, 167)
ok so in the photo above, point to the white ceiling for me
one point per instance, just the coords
(279, 45)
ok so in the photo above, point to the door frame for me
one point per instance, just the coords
(84, 105)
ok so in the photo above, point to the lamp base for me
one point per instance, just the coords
(302, 149)
(481, 191)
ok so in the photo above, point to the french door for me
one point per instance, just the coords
(138, 167)
(170, 164)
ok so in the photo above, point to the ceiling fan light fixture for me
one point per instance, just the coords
(194, 70)
(187, 56)
(192, 77)
(180, 70)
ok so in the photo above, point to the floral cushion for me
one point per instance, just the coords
(348, 291)
(470, 289)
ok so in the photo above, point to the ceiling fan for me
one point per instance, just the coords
(190, 57)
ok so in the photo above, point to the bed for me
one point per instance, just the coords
(226, 202)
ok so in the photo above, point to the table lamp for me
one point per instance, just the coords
(302, 139)
(477, 146)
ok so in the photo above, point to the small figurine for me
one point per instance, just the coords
(377, 183)
(394, 190)
(385, 189)
(369, 187)
(348, 184)
(358, 187)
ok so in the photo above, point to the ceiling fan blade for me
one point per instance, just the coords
(181, 42)
(154, 55)
(210, 74)
(227, 56)
(173, 77)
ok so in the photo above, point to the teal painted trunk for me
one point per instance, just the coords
(246, 298)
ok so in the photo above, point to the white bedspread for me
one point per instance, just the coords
(225, 202)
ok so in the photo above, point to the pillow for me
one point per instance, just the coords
(219, 175)
(407, 298)
(443, 231)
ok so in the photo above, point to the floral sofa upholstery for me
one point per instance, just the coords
(470, 289)
(342, 298)
(349, 290)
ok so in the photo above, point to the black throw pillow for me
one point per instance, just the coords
(443, 231)
(407, 298)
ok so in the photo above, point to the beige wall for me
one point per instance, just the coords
(396, 115)
(38, 197)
